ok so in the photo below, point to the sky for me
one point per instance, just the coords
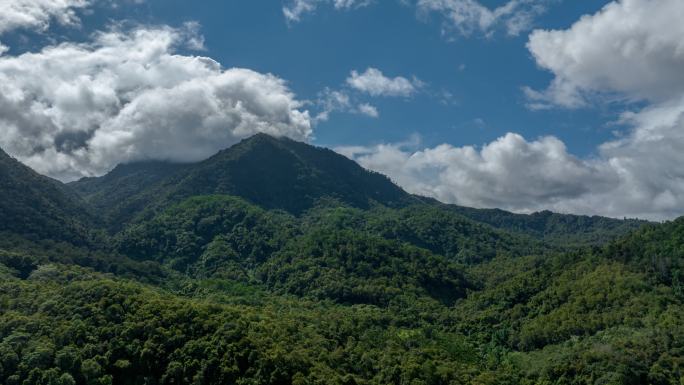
(524, 105)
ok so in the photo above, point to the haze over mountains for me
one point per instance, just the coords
(275, 262)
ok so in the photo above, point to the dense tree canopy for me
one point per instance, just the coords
(318, 272)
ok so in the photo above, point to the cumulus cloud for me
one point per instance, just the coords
(465, 17)
(295, 9)
(375, 83)
(73, 110)
(368, 110)
(330, 101)
(349, 97)
(371, 82)
(631, 49)
(638, 176)
(37, 14)
(510, 172)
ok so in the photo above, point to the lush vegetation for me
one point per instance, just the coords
(68, 326)
(559, 229)
(125, 191)
(278, 263)
(271, 173)
(38, 207)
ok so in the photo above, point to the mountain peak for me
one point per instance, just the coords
(271, 172)
(256, 142)
(278, 172)
(262, 136)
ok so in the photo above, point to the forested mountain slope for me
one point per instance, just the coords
(603, 315)
(274, 173)
(557, 228)
(275, 262)
(578, 318)
(278, 173)
(125, 191)
(38, 207)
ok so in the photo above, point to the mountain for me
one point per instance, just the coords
(552, 227)
(657, 250)
(37, 207)
(123, 181)
(279, 173)
(274, 173)
(607, 315)
(276, 262)
(126, 190)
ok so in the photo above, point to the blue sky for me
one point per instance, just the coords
(525, 105)
(483, 75)
(322, 49)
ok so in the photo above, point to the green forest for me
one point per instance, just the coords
(275, 262)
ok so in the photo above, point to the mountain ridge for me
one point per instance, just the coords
(181, 182)
(275, 173)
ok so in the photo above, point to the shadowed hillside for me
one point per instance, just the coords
(38, 207)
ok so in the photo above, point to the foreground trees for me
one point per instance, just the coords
(336, 302)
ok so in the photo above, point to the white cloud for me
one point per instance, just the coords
(631, 49)
(368, 110)
(37, 14)
(339, 101)
(375, 83)
(466, 17)
(639, 176)
(294, 11)
(371, 82)
(510, 172)
(194, 40)
(73, 110)
(332, 101)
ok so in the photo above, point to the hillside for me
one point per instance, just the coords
(279, 173)
(275, 262)
(274, 173)
(611, 314)
(125, 191)
(556, 228)
(580, 316)
(38, 207)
